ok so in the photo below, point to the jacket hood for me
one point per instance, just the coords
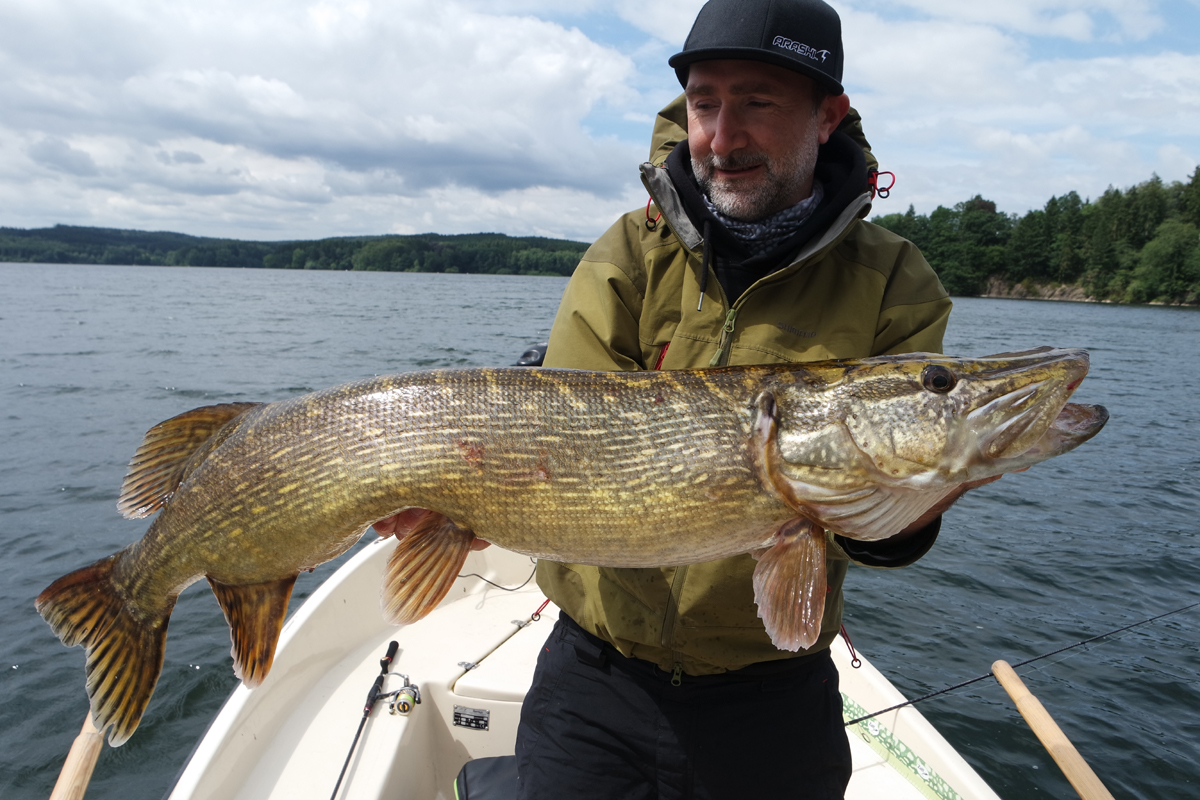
(670, 128)
(841, 169)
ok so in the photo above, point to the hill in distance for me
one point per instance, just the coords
(485, 253)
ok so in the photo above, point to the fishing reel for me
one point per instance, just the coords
(404, 699)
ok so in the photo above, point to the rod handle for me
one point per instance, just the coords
(1076, 770)
(81, 760)
(386, 661)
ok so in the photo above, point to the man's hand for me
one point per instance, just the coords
(400, 525)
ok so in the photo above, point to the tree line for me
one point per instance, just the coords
(1137, 245)
(484, 253)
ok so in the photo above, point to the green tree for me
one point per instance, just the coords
(1169, 265)
(1029, 248)
(1190, 199)
(1147, 205)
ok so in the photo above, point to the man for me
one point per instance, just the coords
(662, 683)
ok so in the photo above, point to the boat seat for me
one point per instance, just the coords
(487, 779)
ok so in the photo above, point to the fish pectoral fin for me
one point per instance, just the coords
(869, 511)
(881, 512)
(423, 567)
(124, 648)
(789, 585)
(158, 465)
(255, 615)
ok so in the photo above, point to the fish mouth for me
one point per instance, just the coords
(1019, 417)
(1074, 425)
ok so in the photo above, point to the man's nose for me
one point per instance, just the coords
(729, 133)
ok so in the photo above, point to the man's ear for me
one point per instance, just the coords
(833, 111)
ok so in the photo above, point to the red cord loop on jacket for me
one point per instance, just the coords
(855, 661)
(873, 182)
(661, 355)
(651, 224)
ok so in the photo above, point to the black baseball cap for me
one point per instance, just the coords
(801, 35)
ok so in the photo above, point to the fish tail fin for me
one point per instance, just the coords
(423, 567)
(255, 615)
(124, 649)
(789, 585)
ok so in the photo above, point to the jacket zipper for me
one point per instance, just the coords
(669, 618)
(672, 611)
(721, 357)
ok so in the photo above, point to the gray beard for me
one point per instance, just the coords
(773, 193)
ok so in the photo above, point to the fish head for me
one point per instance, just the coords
(924, 420)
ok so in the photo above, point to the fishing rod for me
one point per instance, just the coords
(372, 696)
(987, 675)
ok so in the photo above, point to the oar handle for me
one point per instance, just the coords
(77, 769)
(1053, 739)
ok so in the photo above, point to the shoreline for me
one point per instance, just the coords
(1000, 289)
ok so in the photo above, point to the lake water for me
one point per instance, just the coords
(92, 356)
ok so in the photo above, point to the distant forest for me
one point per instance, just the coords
(1140, 245)
(489, 253)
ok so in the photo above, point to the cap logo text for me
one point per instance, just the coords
(801, 48)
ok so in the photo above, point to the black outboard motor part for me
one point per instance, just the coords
(532, 357)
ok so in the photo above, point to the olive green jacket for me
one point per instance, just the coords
(856, 290)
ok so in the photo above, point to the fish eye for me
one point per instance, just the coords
(937, 378)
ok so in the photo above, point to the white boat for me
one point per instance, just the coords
(472, 659)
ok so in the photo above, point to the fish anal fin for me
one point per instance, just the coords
(255, 614)
(423, 567)
(158, 465)
(124, 648)
(789, 585)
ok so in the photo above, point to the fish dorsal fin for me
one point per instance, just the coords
(255, 615)
(158, 465)
(423, 567)
(790, 584)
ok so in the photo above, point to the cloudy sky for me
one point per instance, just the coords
(277, 119)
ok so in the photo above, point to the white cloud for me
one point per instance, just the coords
(335, 117)
(275, 97)
(1077, 20)
(669, 20)
(58, 155)
(957, 101)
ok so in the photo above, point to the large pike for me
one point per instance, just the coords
(632, 469)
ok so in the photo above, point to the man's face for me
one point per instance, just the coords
(754, 133)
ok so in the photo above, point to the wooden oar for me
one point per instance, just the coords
(77, 769)
(1053, 739)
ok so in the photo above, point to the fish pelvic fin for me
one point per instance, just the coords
(789, 585)
(423, 567)
(124, 649)
(255, 615)
(161, 460)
